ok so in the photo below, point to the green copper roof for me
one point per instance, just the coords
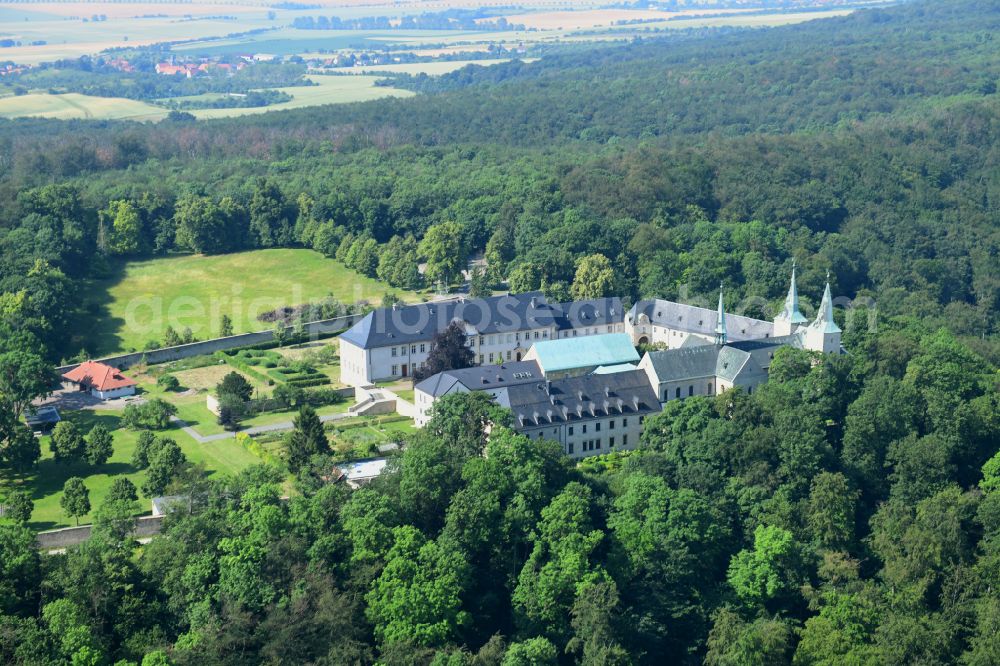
(824, 318)
(584, 351)
(791, 310)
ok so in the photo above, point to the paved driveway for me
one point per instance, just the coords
(72, 399)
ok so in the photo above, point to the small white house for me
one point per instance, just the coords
(101, 380)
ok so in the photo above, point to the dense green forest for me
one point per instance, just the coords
(848, 512)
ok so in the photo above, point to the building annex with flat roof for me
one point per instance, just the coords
(568, 357)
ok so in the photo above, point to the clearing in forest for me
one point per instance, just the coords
(144, 297)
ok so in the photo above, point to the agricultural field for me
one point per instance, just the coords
(329, 90)
(577, 19)
(428, 68)
(138, 303)
(68, 106)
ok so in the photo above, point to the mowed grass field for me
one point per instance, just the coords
(195, 291)
(45, 482)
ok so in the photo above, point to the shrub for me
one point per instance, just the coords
(151, 415)
(168, 383)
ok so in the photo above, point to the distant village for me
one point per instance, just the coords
(229, 64)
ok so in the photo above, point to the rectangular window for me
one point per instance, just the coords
(597, 427)
(690, 391)
(482, 340)
(491, 357)
(413, 349)
(597, 443)
(571, 430)
(624, 440)
(395, 370)
(423, 347)
(611, 442)
(624, 423)
(677, 392)
(393, 351)
(611, 424)
(569, 448)
(508, 354)
(584, 429)
(480, 359)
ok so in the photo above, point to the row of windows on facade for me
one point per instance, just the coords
(690, 392)
(594, 445)
(414, 367)
(642, 329)
(597, 426)
(486, 340)
(589, 331)
(413, 350)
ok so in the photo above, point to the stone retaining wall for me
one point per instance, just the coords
(315, 329)
(145, 526)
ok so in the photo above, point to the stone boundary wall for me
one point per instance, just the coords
(324, 327)
(145, 526)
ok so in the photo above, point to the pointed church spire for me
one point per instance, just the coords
(720, 326)
(824, 317)
(791, 312)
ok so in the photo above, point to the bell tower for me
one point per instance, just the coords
(790, 319)
(823, 335)
(720, 325)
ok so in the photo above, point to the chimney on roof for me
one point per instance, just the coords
(548, 386)
(534, 301)
(607, 390)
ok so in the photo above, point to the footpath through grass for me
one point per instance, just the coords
(136, 305)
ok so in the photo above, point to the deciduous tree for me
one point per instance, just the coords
(99, 445)
(66, 443)
(75, 500)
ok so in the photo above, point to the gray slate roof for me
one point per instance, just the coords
(741, 360)
(581, 398)
(498, 314)
(482, 378)
(693, 319)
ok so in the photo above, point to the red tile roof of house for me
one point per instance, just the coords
(98, 375)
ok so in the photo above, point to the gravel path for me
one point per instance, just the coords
(256, 430)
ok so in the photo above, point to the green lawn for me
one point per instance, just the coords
(46, 481)
(138, 303)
